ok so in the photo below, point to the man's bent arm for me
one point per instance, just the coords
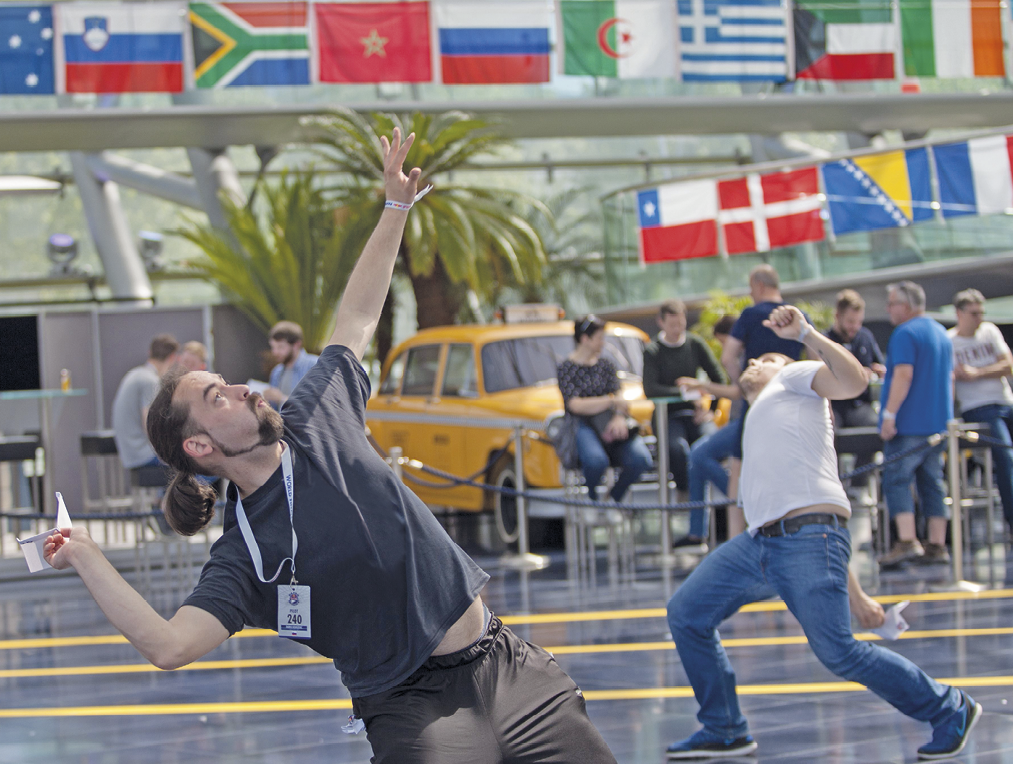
(842, 377)
(900, 386)
(189, 635)
(731, 358)
(359, 311)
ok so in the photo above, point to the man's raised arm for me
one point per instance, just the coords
(359, 311)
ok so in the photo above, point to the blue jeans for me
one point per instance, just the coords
(925, 467)
(705, 457)
(809, 570)
(1000, 421)
(630, 455)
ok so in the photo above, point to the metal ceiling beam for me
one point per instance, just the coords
(218, 127)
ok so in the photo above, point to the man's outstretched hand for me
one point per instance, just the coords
(398, 186)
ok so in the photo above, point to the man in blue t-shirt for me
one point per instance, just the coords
(916, 401)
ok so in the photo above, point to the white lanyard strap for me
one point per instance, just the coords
(250, 539)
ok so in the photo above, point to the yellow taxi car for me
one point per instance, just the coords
(448, 396)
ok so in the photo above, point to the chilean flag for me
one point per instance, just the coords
(493, 43)
(110, 47)
(761, 212)
(678, 221)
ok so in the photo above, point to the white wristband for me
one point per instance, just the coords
(888, 414)
(391, 204)
(804, 331)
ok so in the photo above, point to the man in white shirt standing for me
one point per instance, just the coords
(796, 546)
(981, 364)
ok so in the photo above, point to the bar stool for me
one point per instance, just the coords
(103, 481)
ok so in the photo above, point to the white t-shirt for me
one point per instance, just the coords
(986, 347)
(788, 452)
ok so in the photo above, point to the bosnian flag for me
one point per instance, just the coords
(108, 47)
(761, 212)
(484, 42)
(678, 221)
(975, 178)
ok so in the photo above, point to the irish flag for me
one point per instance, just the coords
(952, 38)
(845, 40)
(618, 38)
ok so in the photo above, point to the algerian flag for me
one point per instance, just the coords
(619, 38)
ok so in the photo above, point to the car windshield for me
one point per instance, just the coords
(529, 361)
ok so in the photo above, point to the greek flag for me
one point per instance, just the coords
(733, 40)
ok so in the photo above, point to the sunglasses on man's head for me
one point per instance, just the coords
(587, 323)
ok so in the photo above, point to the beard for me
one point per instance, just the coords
(750, 383)
(269, 430)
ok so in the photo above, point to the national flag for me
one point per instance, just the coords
(736, 40)
(619, 38)
(374, 42)
(952, 38)
(890, 190)
(678, 221)
(26, 49)
(493, 42)
(109, 47)
(975, 178)
(845, 40)
(762, 212)
(250, 43)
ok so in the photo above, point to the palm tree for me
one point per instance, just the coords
(291, 261)
(458, 237)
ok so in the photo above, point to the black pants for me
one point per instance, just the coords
(502, 700)
(683, 432)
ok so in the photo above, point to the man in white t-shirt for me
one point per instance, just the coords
(797, 546)
(981, 364)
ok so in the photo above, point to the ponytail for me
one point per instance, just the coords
(189, 504)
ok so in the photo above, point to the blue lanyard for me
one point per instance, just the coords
(247, 531)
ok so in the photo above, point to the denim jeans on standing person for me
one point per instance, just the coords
(630, 455)
(924, 467)
(705, 457)
(809, 570)
(1000, 422)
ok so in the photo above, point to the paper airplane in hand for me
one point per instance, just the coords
(32, 546)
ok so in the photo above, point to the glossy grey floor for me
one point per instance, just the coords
(85, 699)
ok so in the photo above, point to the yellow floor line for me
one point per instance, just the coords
(611, 647)
(650, 693)
(536, 618)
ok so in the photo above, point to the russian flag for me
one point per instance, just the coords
(976, 177)
(678, 221)
(111, 47)
(493, 43)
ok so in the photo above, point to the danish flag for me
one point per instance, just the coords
(761, 212)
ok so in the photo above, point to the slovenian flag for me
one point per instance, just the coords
(483, 43)
(889, 190)
(678, 221)
(975, 178)
(120, 47)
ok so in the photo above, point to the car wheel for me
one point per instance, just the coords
(504, 507)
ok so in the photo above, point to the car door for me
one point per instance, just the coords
(458, 391)
(404, 405)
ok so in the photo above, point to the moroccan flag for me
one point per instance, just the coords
(845, 40)
(619, 38)
(237, 44)
(952, 38)
(374, 42)
(762, 212)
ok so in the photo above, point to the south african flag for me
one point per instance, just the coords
(251, 43)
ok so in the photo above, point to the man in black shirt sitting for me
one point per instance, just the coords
(673, 354)
(313, 510)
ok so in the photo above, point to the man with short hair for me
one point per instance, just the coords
(916, 401)
(676, 353)
(797, 547)
(323, 542)
(294, 361)
(133, 397)
(194, 356)
(981, 364)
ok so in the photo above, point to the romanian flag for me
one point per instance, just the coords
(890, 190)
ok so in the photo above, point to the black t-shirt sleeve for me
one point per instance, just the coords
(332, 395)
(706, 359)
(228, 593)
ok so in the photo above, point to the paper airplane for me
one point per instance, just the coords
(894, 625)
(32, 546)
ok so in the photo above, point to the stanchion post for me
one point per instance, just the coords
(523, 560)
(395, 460)
(956, 524)
(661, 426)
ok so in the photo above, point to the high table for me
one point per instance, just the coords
(661, 433)
(45, 400)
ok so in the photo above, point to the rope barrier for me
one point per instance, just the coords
(84, 517)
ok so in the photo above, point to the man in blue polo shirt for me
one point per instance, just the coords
(916, 401)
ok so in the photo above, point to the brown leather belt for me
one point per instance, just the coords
(793, 524)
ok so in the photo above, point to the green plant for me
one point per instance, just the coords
(820, 314)
(287, 258)
(458, 237)
(718, 305)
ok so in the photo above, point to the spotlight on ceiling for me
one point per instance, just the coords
(151, 250)
(61, 249)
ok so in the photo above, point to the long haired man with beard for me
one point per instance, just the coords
(323, 543)
(797, 546)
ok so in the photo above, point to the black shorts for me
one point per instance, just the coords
(499, 700)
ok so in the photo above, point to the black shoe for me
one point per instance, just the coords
(690, 543)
